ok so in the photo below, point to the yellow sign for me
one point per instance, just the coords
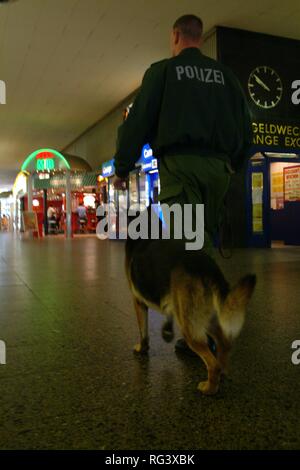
(30, 221)
(257, 202)
(277, 182)
(257, 180)
(274, 134)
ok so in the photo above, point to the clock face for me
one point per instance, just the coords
(265, 87)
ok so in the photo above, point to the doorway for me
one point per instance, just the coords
(273, 205)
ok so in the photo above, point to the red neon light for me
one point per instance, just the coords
(45, 155)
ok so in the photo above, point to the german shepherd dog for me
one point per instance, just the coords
(189, 286)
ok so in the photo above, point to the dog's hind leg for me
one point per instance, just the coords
(142, 318)
(223, 349)
(211, 386)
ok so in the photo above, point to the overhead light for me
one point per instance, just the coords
(280, 155)
(89, 200)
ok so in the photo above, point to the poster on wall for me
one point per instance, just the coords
(268, 70)
(30, 222)
(277, 201)
(257, 202)
(292, 183)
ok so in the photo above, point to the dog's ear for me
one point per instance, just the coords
(240, 295)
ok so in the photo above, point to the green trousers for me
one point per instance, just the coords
(193, 179)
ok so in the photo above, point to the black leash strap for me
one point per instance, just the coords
(226, 229)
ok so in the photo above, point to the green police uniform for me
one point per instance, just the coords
(193, 112)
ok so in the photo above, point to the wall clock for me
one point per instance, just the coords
(265, 87)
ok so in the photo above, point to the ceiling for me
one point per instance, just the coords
(67, 63)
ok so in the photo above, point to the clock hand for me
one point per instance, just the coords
(260, 82)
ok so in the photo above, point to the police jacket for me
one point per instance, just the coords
(188, 104)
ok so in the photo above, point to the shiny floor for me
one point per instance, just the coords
(71, 380)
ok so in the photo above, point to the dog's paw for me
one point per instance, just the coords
(207, 388)
(141, 348)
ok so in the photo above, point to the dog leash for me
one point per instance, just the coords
(225, 226)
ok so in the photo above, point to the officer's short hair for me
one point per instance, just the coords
(190, 26)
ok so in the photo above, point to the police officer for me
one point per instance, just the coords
(193, 112)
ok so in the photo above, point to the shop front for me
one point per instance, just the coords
(58, 191)
(144, 180)
(117, 199)
(142, 188)
(265, 211)
(274, 199)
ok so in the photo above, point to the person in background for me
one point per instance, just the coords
(82, 216)
(4, 223)
(81, 211)
(52, 222)
(51, 213)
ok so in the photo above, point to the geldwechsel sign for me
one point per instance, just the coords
(268, 68)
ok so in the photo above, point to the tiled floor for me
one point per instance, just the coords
(71, 380)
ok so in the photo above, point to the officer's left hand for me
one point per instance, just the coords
(119, 183)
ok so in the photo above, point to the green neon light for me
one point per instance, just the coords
(34, 154)
(45, 164)
(40, 165)
(50, 164)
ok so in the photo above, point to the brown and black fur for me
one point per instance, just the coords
(189, 286)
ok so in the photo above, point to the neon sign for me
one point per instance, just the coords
(45, 160)
(43, 164)
(108, 168)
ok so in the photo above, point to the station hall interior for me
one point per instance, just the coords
(70, 71)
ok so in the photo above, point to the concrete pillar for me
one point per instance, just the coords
(29, 191)
(68, 205)
(45, 212)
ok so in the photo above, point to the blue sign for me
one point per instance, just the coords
(108, 168)
(146, 160)
(152, 165)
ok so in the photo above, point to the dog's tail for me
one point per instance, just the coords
(232, 311)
